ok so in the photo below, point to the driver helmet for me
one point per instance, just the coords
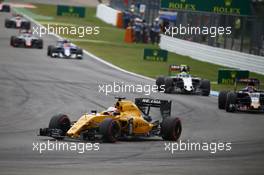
(184, 69)
(63, 41)
(18, 17)
(250, 89)
(111, 110)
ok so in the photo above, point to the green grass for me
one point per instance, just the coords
(111, 47)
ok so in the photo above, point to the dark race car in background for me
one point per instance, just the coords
(65, 49)
(17, 22)
(27, 40)
(4, 7)
(248, 99)
(183, 82)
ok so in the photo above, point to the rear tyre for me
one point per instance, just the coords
(110, 130)
(6, 8)
(168, 85)
(231, 102)
(49, 50)
(222, 99)
(205, 87)
(62, 122)
(80, 52)
(159, 82)
(171, 129)
(40, 45)
(12, 39)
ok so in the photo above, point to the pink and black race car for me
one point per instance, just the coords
(27, 40)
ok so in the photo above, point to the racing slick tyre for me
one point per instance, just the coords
(8, 24)
(40, 44)
(49, 50)
(205, 87)
(159, 82)
(62, 122)
(110, 130)
(6, 8)
(80, 52)
(222, 99)
(171, 129)
(53, 50)
(231, 102)
(12, 41)
(168, 85)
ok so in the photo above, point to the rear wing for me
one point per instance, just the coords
(144, 104)
(178, 68)
(248, 81)
(22, 31)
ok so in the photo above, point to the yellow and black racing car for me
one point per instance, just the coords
(125, 120)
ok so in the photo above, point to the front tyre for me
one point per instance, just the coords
(110, 130)
(222, 99)
(79, 52)
(7, 23)
(231, 102)
(171, 129)
(62, 122)
(12, 40)
(205, 87)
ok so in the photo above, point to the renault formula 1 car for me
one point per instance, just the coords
(4, 7)
(65, 49)
(26, 39)
(17, 22)
(126, 119)
(183, 82)
(247, 99)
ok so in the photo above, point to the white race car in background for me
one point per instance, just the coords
(183, 82)
(27, 40)
(65, 49)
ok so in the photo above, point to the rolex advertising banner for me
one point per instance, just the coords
(228, 76)
(70, 11)
(155, 55)
(230, 7)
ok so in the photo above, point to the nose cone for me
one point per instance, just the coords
(188, 88)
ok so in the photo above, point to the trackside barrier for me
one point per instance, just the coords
(213, 55)
(107, 14)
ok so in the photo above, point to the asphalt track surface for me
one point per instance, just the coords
(33, 87)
